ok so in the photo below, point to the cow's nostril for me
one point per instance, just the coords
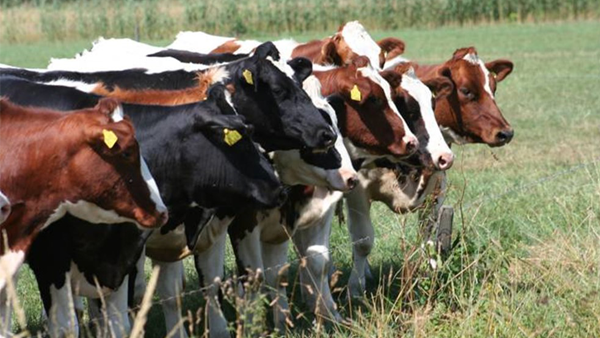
(5, 209)
(351, 183)
(445, 161)
(504, 136)
(411, 145)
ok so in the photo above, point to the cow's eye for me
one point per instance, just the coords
(467, 93)
(375, 100)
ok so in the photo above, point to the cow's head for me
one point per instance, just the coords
(367, 117)
(331, 169)
(4, 207)
(226, 167)
(349, 42)
(112, 171)
(413, 100)
(283, 115)
(470, 114)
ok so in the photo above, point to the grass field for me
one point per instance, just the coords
(527, 262)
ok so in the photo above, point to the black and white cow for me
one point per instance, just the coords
(196, 168)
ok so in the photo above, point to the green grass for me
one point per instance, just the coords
(528, 256)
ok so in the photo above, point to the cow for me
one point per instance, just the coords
(5, 207)
(470, 113)
(196, 137)
(85, 163)
(466, 111)
(413, 100)
(282, 114)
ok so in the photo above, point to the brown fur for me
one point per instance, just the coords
(371, 124)
(230, 46)
(49, 157)
(162, 97)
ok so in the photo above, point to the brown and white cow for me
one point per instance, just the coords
(466, 111)
(469, 114)
(86, 163)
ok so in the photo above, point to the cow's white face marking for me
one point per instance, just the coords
(474, 59)
(10, 263)
(436, 145)
(361, 43)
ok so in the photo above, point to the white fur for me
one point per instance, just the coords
(359, 40)
(88, 212)
(436, 145)
(4, 203)
(474, 59)
(198, 42)
(10, 263)
(61, 319)
(82, 86)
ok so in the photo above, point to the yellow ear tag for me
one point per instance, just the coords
(231, 136)
(110, 138)
(433, 94)
(248, 76)
(355, 94)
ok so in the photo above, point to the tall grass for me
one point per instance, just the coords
(152, 19)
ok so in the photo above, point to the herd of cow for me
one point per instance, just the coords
(214, 136)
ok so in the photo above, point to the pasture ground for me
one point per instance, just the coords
(527, 261)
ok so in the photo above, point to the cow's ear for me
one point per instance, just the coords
(392, 47)
(107, 105)
(441, 85)
(302, 68)
(500, 68)
(329, 54)
(392, 77)
(195, 221)
(267, 49)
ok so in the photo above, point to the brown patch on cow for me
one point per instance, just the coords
(468, 110)
(230, 46)
(163, 97)
(369, 123)
(49, 157)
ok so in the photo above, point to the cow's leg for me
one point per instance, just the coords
(116, 313)
(247, 249)
(62, 320)
(139, 284)
(313, 246)
(6, 309)
(276, 275)
(169, 286)
(362, 236)
(209, 265)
